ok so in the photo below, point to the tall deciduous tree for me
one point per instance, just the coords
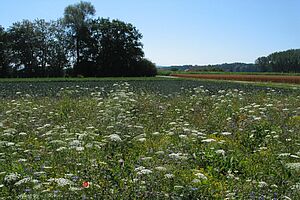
(38, 48)
(4, 54)
(23, 45)
(116, 47)
(58, 49)
(76, 18)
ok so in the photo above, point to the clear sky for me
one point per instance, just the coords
(188, 31)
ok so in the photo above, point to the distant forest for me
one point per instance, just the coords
(75, 45)
(226, 67)
(285, 61)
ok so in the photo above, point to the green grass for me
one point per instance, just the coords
(251, 83)
(136, 139)
(169, 72)
(64, 79)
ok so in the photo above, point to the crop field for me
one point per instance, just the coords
(245, 77)
(148, 139)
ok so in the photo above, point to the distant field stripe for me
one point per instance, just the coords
(256, 78)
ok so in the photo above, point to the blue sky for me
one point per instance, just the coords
(188, 31)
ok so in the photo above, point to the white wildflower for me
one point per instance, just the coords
(75, 143)
(220, 151)
(294, 166)
(114, 138)
(144, 171)
(141, 139)
(178, 156)
(12, 177)
(262, 184)
(201, 176)
(24, 180)
(9, 144)
(169, 175)
(182, 136)
(195, 180)
(209, 140)
(274, 186)
(61, 181)
(286, 197)
(159, 168)
(139, 168)
(262, 148)
(284, 154)
(226, 133)
(160, 152)
(146, 158)
(155, 133)
(296, 187)
(75, 189)
(61, 148)
(90, 127)
(79, 148)
(256, 118)
(294, 156)
(39, 173)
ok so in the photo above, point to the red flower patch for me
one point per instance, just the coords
(85, 184)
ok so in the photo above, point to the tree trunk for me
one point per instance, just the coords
(77, 49)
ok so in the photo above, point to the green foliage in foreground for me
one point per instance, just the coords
(142, 145)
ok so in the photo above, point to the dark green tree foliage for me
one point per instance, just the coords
(77, 18)
(116, 49)
(285, 61)
(4, 54)
(57, 50)
(38, 48)
(144, 66)
(76, 44)
(23, 43)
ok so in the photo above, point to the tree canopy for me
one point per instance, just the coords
(75, 45)
(77, 18)
(4, 70)
(285, 61)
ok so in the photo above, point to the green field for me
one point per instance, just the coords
(169, 72)
(149, 138)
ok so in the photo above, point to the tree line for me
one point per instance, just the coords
(225, 67)
(75, 45)
(284, 61)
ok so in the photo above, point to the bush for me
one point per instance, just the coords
(144, 67)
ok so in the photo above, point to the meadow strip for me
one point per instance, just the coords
(255, 78)
(115, 141)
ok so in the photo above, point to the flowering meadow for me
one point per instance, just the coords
(152, 139)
